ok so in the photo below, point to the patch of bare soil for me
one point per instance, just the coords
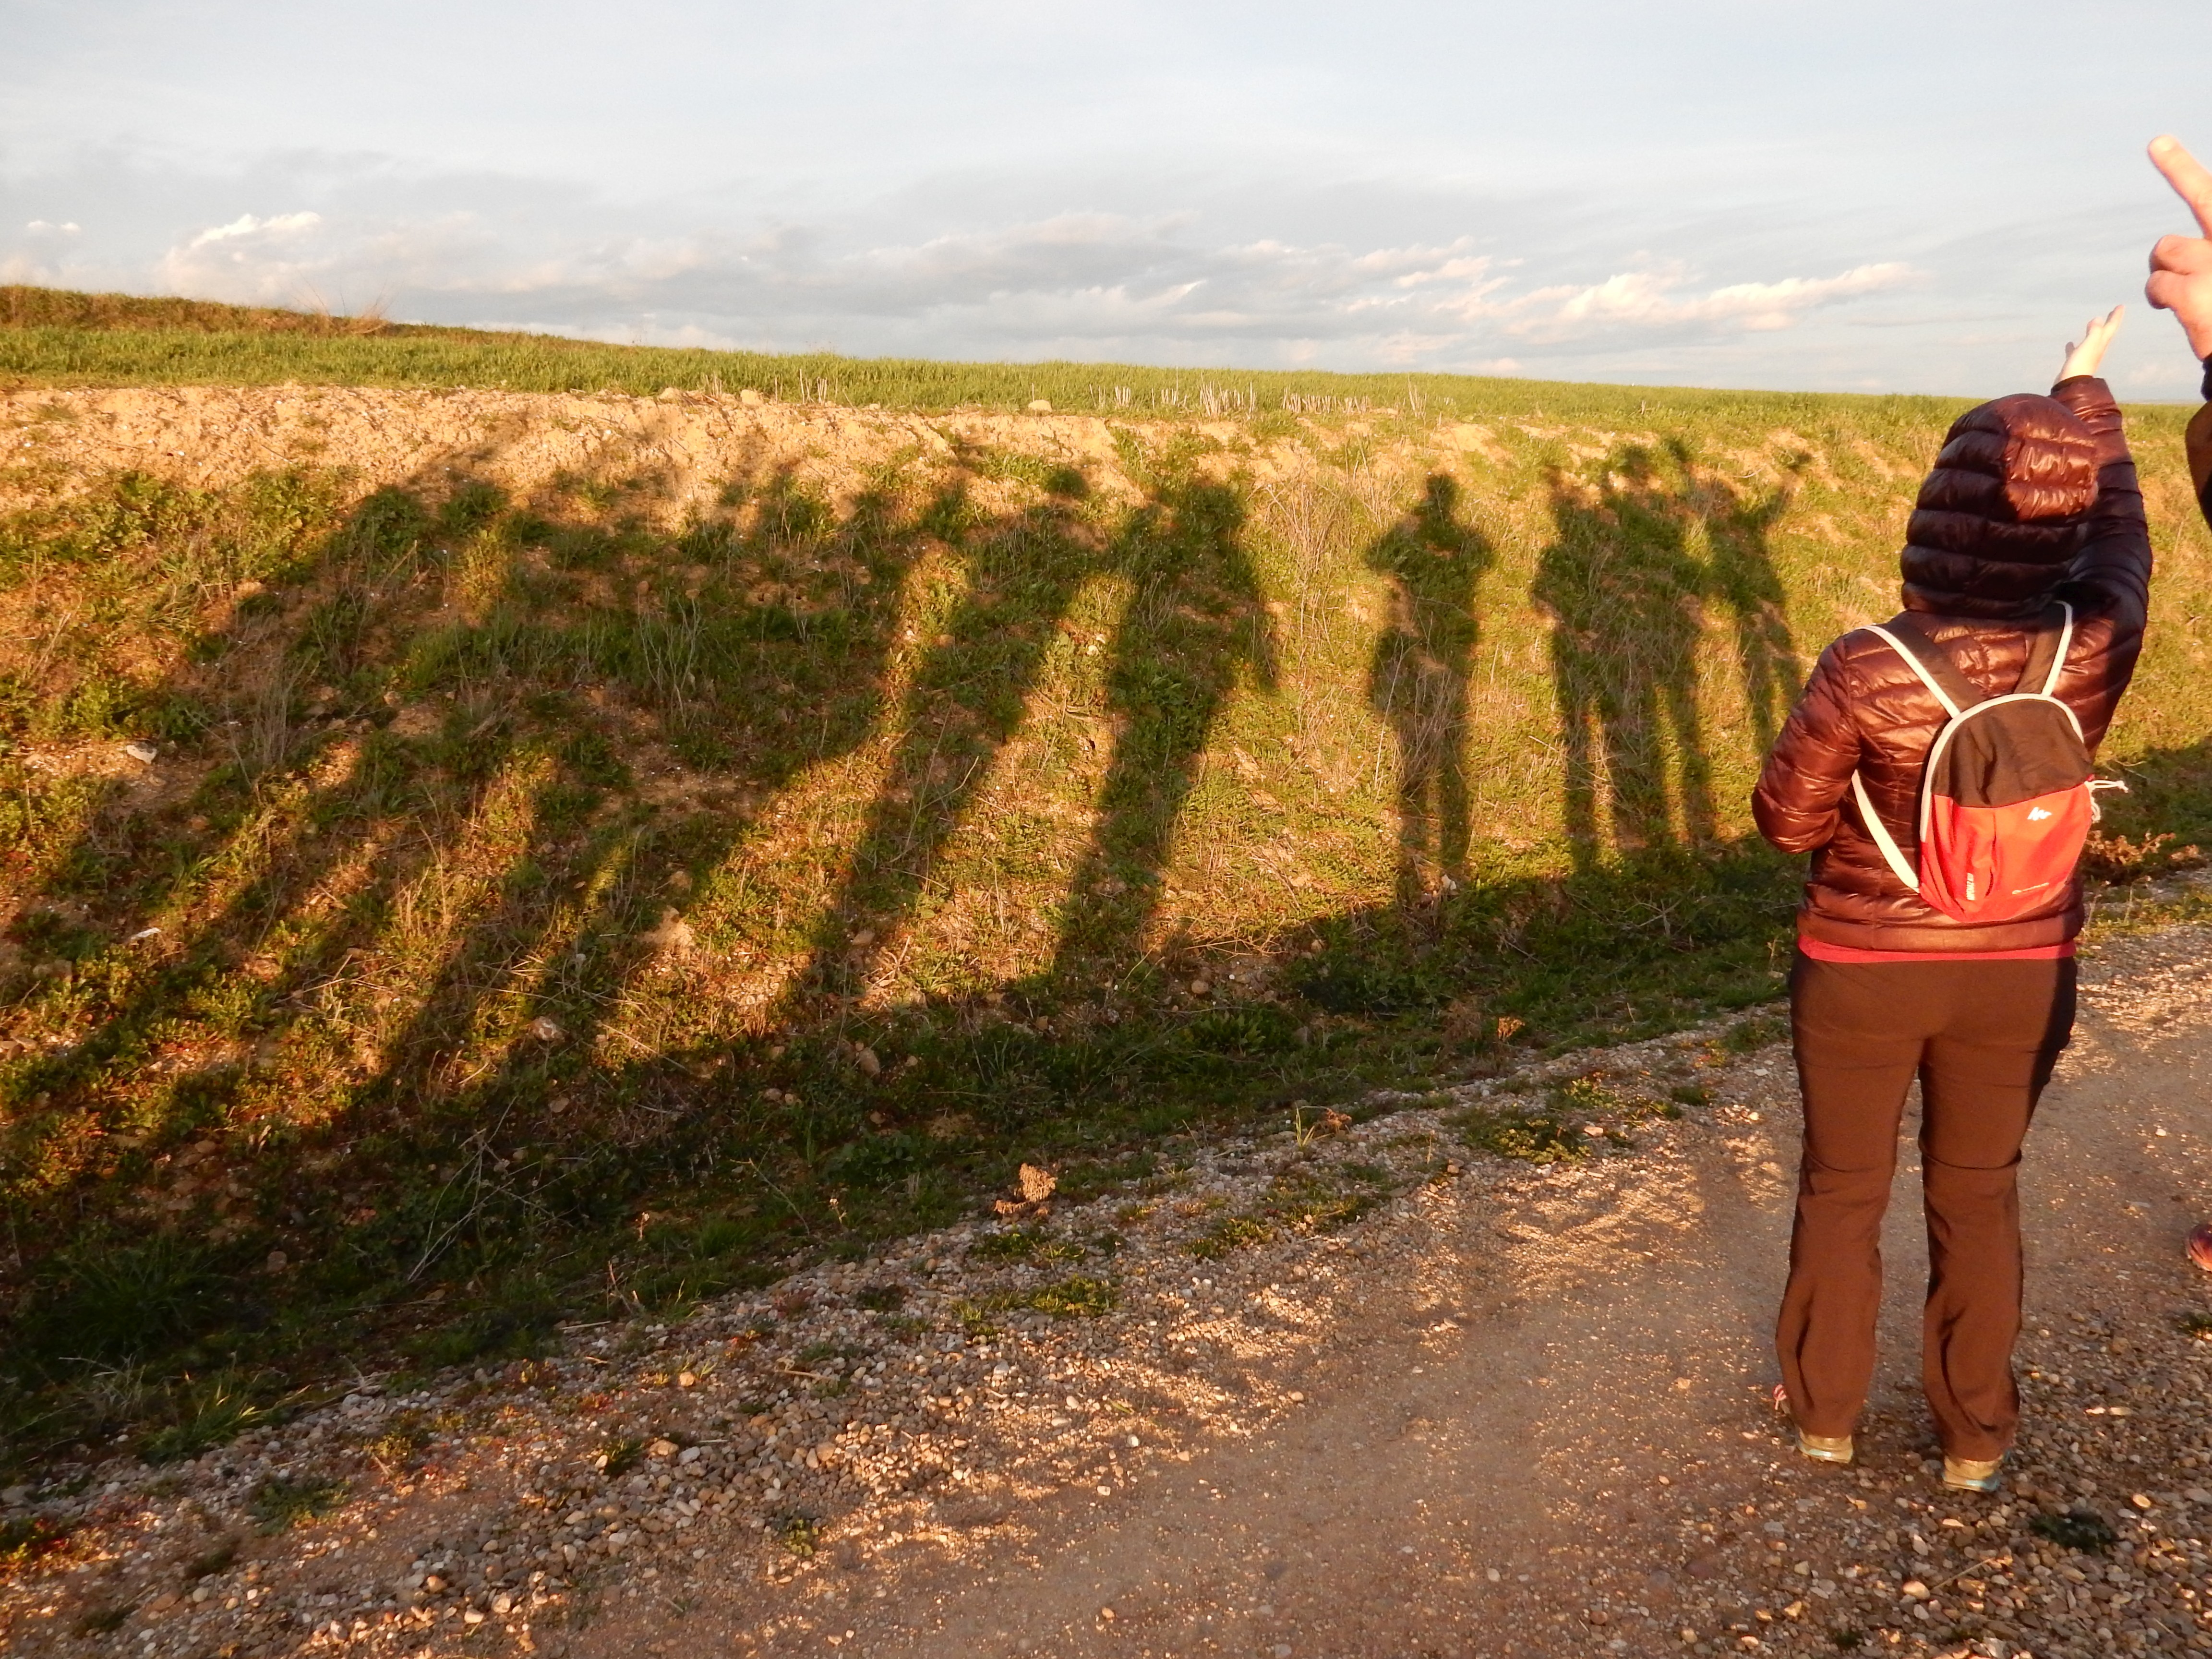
(1351, 1389)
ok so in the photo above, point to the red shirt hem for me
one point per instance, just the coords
(1821, 951)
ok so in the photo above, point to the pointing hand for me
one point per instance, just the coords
(2181, 266)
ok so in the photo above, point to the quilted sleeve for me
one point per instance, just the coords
(2111, 574)
(1806, 773)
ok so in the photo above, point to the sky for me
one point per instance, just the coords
(1877, 197)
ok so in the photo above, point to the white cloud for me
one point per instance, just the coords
(1093, 283)
(1652, 298)
(969, 269)
(279, 227)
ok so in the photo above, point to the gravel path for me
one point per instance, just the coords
(1368, 1388)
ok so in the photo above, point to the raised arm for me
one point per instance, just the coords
(2112, 573)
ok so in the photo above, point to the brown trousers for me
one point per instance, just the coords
(1983, 1037)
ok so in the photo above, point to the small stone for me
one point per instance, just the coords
(1913, 1590)
(1040, 406)
(750, 398)
(545, 1030)
(144, 753)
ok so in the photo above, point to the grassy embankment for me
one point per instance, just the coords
(578, 896)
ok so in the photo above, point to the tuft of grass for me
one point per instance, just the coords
(104, 1621)
(405, 1434)
(1749, 1036)
(1525, 1136)
(1073, 1298)
(2076, 1530)
(24, 1540)
(2194, 1324)
(799, 1536)
(1231, 1232)
(102, 1300)
(619, 1457)
(212, 1411)
(880, 1299)
(218, 1559)
(279, 1504)
(1025, 1244)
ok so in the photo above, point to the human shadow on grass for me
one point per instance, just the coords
(968, 699)
(1196, 623)
(1637, 560)
(347, 821)
(1418, 682)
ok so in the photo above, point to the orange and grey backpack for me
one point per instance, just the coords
(2006, 798)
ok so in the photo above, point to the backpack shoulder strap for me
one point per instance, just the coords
(1951, 688)
(2046, 653)
(1892, 853)
(1932, 663)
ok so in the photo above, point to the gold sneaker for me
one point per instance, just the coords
(1972, 1474)
(1825, 1448)
(1821, 1448)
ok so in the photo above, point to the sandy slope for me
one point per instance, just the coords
(681, 450)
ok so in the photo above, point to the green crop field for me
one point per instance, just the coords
(605, 838)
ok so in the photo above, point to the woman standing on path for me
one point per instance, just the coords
(2032, 506)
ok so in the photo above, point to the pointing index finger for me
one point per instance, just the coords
(2188, 176)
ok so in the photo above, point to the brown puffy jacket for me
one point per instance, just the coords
(2000, 533)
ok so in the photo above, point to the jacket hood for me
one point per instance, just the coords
(2003, 513)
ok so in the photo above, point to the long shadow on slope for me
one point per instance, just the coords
(425, 806)
(1194, 622)
(484, 843)
(1636, 561)
(1418, 682)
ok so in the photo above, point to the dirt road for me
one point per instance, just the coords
(1512, 1410)
(1541, 1432)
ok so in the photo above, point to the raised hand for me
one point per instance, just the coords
(2084, 356)
(2181, 266)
